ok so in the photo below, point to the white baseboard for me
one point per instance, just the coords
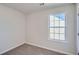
(12, 48)
(49, 48)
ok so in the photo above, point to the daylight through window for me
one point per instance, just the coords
(57, 26)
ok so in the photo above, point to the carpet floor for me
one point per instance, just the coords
(26, 49)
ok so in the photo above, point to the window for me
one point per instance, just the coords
(57, 26)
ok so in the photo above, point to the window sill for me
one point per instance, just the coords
(61, 41)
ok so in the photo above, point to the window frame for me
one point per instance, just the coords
(60, 27)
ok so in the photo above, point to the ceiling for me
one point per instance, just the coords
(32, 7)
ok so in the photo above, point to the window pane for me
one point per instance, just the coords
(51, 17)
(57, 23)
(52, 30)
(62, 37)
(57, 30)
(62, 23)
(61, 16)
(51, 36)
(57, 36)
(51, 20)
(62, 30)
(56, 18)
(51, 23)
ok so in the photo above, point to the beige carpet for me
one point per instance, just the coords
(26, 49)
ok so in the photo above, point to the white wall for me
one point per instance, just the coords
(37, 30)
(77, 28)
(12, 29)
